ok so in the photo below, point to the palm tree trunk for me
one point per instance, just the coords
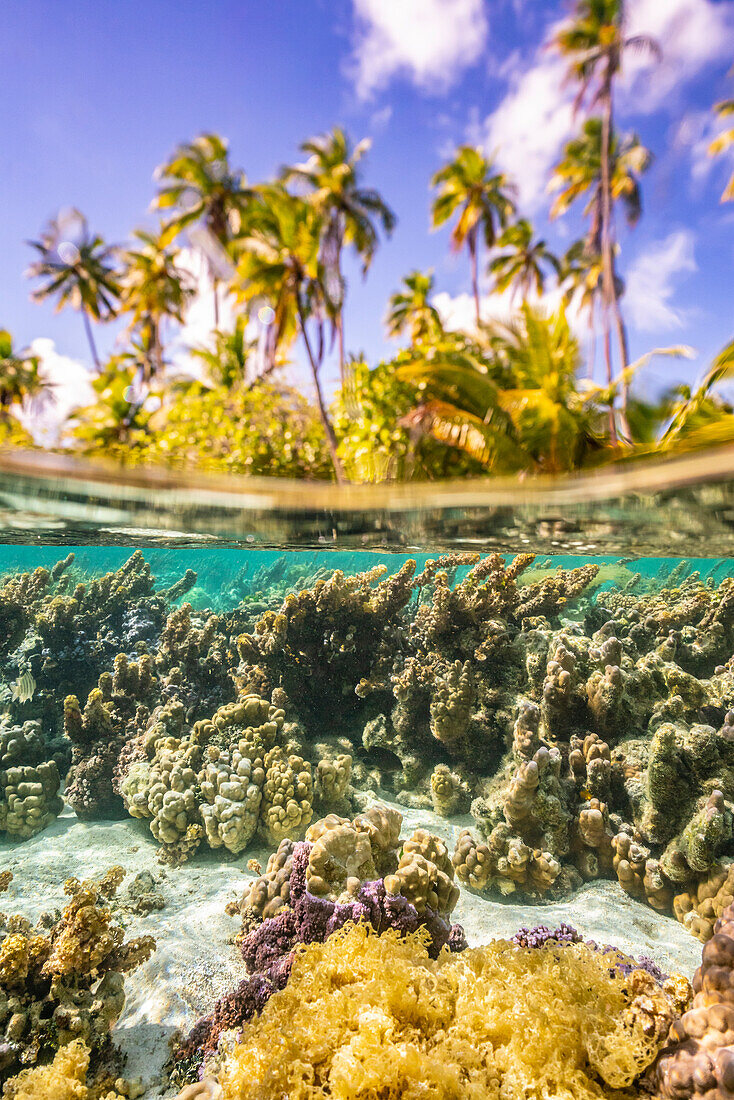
(340, 339)
(157, 350)
(215, 288)
(340, 314)
(624, 352)
(606, 200)
(608, 360)
(90, 338)
(328, 430)
(609, 281)
(472, 241)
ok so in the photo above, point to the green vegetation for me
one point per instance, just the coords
(501, 397)
(471, 189)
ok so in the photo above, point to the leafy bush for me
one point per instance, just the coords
(268, 430)
(374, 444)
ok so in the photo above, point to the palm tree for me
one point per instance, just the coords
(595, 43)
(20, 379)
(227, 363)
(512, 404)
(410, 309)
(699, 416)
(580, 173)
(198, 184)
(350, 213)
(521, 265)
(471, 187)
(280, 265)
(153, 290)
(76, 269)
(724, 141)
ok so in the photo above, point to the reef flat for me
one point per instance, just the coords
(452, 754)
(196, 961)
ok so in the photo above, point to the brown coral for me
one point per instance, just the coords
(703, 904)
(699, 1063)
(425, 874)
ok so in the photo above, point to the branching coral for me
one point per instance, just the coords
(64, 980)
(389, 1020)
(64, 1079)
(99, 733)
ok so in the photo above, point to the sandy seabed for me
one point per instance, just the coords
(196, 961)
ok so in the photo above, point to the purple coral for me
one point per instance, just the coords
(312, 920)
(566, 933)
(625, 964)
(268, 949)
(540, 935)
(235, 1009)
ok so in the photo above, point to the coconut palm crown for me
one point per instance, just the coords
(352, 214)
(471, 189)
(76, 268)
(202, 190)
(410, 309)
(521, 265)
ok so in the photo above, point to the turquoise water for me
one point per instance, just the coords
(560, 727)
(443, 658)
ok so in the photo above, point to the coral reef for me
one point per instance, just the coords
(219, 780)
(342, 855)
(366, 1014)
(64, 1079)
(698, 1063)
(29, 783)
(315, 887)
(700, 908)
(63, 979)
(585, 716)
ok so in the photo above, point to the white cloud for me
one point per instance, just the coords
(692, 34)
(694, 134)
(72, 389)
(458, 311)
(531, 125)
(535, 119)
(381, 119)
(197, 330)
(651, 283)
(429, 41)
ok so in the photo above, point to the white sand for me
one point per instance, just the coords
(196, 962)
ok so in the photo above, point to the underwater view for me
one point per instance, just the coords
(328, 823)
(367, 550)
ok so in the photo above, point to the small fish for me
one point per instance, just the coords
(26, 685)
(585, 794)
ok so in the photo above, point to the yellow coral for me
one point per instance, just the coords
(366, 1015)
(64, 1079)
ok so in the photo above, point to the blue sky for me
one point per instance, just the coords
(95, 94)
